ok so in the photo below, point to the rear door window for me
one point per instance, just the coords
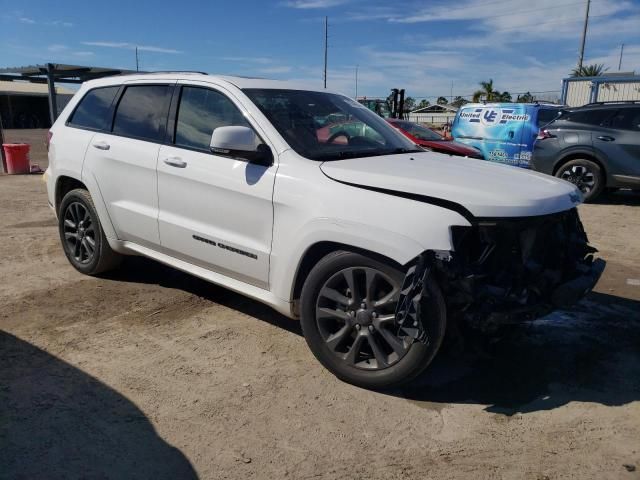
(142, 112)
(626, 119)
(594, 117)
(93, 110)
(201, 111)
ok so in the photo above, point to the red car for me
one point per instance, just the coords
(432, 140)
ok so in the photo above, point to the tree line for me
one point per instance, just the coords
(488, 93)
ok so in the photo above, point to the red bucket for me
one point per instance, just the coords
(17, 156)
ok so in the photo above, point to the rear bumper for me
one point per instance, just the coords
(543, 160)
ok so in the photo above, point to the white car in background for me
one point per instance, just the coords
(372, 242)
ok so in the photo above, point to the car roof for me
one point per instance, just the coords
(237, 81)
(508, 104)
(605, 105)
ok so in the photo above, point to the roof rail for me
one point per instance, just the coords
(176, 71)
(610, 102)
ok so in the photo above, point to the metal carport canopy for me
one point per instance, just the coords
(50, 73)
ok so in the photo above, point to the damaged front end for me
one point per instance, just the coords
(513, 270)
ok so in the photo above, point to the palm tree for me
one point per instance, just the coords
(459, 101)
(594, 70)
(442, 101)
(409, 104)
(423, 103)
(526, 98)
(503, 97)
(487, 91)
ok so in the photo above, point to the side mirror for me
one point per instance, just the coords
(240, 142)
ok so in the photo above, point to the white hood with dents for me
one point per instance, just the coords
(485, 189)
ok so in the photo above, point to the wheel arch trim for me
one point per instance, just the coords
(91, 185)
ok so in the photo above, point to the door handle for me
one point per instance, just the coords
(606, 138)
(102, 145)
(175, 162)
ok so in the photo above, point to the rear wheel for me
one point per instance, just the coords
(584, 174)
(82, 237)
(348, 308)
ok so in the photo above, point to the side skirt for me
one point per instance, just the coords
(256, 293)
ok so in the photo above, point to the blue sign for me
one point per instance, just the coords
(498, 130)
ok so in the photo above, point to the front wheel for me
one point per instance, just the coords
(348, 306)
(584, 174)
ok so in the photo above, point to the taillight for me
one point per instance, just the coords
(49, 135)
(543, 133)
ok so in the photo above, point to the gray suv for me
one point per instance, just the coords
(596, 146)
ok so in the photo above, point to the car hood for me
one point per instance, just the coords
(485, 189)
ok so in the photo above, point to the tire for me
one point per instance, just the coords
(77, 218)
(586, 175)
(335, 318)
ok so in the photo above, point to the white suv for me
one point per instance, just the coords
(308, 202)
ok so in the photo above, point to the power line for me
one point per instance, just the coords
(559, 22)
(483, 5)
(471, 95)
(518, 12)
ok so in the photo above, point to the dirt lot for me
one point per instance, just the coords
(149, 373)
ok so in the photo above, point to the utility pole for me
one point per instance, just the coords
(357, 82)
(137, 69)
(326, 46)
(3, 160)
(620, 62)
(451, 98)
(584, 36)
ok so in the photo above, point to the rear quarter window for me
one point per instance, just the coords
(547, 115)
(93, 110)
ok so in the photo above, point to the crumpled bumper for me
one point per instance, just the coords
(572, 291)
(514, 270)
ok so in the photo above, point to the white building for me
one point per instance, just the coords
(433, 114)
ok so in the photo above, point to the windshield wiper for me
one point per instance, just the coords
(344, 154)
(396, 151)
(341, 155)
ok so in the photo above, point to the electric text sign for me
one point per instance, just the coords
(497, 130)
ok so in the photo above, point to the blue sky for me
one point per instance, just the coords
(425, 47)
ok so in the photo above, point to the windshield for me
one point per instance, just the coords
(327, 126)
(418, 131)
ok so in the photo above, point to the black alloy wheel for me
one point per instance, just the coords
(348, 317)
(355, 315)
(584, 174)
(82, 236)
(79, 233)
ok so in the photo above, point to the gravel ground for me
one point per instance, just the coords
(150, 373)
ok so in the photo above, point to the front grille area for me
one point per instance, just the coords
(510, 269)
